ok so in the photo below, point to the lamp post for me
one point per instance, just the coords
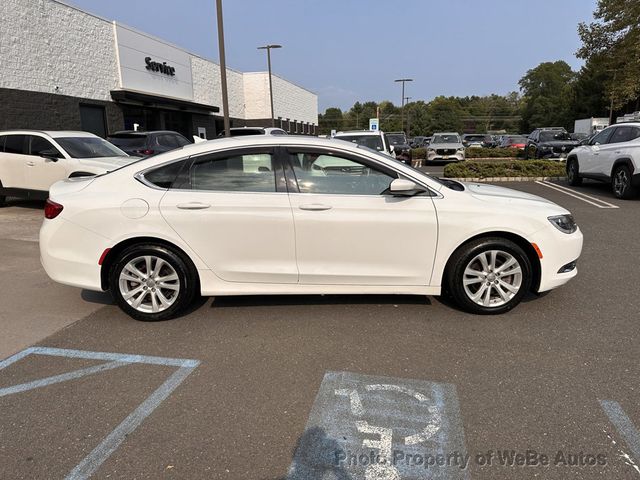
(268, 49)
(406, 101)
(403, 81)
(223, 71)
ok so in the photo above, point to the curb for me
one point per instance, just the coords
(509, 179)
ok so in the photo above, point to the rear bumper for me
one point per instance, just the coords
(69, 253)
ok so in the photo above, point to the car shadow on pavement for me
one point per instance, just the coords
(314, 458)
(21, 203)
(284, 300)
(101, 298)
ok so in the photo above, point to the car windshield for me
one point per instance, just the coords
(373, 142)
(129, 141)
(396, 139)
(445, 139)
(554, 136)
(89, 147)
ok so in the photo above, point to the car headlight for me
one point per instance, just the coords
(461, 149)
(564, 223)
(431, 150)
(546, 147)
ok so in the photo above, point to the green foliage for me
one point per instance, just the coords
(418, 153)
(494, 153)
(547, 91)
(515, 168)
(613, 40)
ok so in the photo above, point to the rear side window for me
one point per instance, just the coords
(168, 140)
(15, 144)
(165, 176)
(239, 173)
(181, 141)
(625, 134)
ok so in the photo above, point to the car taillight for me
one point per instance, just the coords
(148, 152)
(52, 209)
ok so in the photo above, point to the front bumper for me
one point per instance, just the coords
(435, 157)
(558, 250)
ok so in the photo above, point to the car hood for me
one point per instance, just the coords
(508, 197)
(108, 163)
(454, 146)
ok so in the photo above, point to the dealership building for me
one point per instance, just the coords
(62, 68)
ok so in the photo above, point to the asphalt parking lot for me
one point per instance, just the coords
(308, 386)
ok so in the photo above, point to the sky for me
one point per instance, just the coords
(352, 50)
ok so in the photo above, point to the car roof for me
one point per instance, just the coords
(446, 133)
(51, 133)
(143, 134)
(360, 132)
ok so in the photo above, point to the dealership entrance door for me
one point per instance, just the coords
(149, 119)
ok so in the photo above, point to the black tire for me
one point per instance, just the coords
(465, 257)
(621, 183)
(573, 173)
(526, 152)
(187, 282)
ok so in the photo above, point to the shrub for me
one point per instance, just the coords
(494, 153)
(514, 168)
(417, 153)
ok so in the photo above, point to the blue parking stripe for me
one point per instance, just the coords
(624, 425)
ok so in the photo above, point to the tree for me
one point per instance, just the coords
(445, 115)
(547, 91)
(332, 119)
(614, 40)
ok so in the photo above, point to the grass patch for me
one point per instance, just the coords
(514, 168)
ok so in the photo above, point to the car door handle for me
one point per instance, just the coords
(193, 206)
(31, 164)
(315, 207)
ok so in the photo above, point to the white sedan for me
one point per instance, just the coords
(295, 215)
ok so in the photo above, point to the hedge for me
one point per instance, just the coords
(418, 153)
(514, 168)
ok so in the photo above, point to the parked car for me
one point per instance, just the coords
(549, 143)
(244, 131)
(613, 155)
(373, 139)
(475, 140)
(513, 141)
(145, 144)
(346, 220)
(401, 148)
(32, 160)
(446, 147)
(419, 142)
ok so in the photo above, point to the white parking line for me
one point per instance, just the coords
(579, 195)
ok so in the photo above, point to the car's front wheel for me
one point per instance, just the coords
(621, 183)
(573, 173)
(489, 276)
(152, 282)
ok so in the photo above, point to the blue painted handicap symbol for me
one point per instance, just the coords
(381, 428)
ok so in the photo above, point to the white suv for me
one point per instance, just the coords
(31, 161)
(613, 156)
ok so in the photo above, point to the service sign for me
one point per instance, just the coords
(150, 66)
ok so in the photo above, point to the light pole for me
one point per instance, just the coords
(406, 99)
(268, 49)
(223, 71)
(403, 81)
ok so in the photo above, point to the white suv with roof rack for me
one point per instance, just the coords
(31, 161)
(612, 156)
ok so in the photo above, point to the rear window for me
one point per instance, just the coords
(15, 144)
(129, 141)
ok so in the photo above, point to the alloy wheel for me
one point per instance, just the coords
(149, 284)
(492, 278)
(620, 182)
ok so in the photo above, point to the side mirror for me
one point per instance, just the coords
(405, 188)
(392, 148)
(50, 154)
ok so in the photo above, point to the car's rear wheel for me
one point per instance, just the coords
(621, 183)
(573, 173)
(489, 276)
(152, 282)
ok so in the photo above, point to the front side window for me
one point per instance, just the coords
(43, 147)
(89, 147)
(238, 173)
(335, 175)
(603, 137)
